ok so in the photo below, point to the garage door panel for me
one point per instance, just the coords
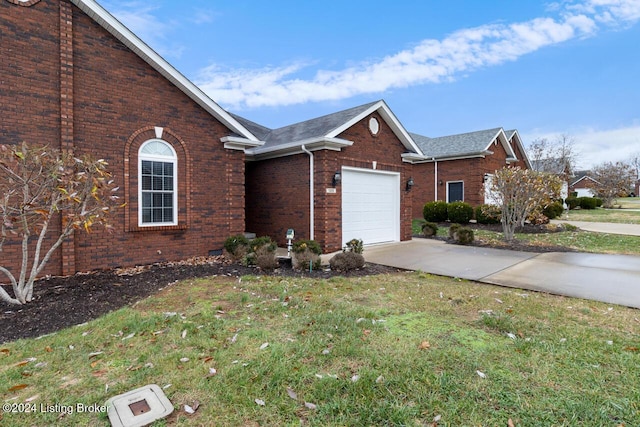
(370, 206)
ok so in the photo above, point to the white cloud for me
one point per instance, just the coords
(430, 61)
(596, 146)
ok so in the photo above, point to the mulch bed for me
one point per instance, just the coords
(59, 302)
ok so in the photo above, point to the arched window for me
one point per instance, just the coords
(157, 189)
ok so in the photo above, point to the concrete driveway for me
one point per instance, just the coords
(612, 279)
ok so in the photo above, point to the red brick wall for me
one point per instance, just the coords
(278, 189)
(117, 100)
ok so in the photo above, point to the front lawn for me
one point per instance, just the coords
(399, 349)
(582, 241)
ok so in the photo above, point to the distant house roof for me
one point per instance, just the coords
(96, 12)
(464, 145)
(582, 176)
(322, 132)
(554, 166)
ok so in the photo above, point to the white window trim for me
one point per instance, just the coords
(151, 157)
(455, 182)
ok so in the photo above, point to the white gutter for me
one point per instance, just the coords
(311, 193)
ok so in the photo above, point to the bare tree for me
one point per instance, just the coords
(41, 185)
(519, 192)
(635, 163)
(613, 180)
(557, 157)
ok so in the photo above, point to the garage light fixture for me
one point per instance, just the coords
(337, 178)
(409, 184)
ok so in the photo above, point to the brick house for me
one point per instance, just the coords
(333, 178)
(582, 185)
(75, 78)
(458, 167)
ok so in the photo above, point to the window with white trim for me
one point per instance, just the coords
(157, 178)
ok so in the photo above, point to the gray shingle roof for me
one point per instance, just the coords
(315, 128)
(464, 144)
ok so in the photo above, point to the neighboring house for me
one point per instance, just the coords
(76, 78)
(460, 167)
(332, 178)
(582, 184)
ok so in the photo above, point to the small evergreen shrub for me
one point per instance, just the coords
(553, 210)
(587, 202)
(572, 202)
(464, 236)
(261, 252)
(429, 229)
(460, 212)
(488, 214)
(346, 261)
(435, 211)
(311, 245)
(236, 247)
(354, 245)
(598, 202)
(306, 255)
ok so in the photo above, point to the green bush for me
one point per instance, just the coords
(236, 246)
(302, 245)
(460, 212)
(553, 210)
(429, 229)
(354, 245)
(435, 211)
(588, 202)
(262, 252)
(598, 202)
(346, 261)
(572, 202)
(464, 236)
(488, 214)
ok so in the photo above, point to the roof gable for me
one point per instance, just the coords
(514, 138)
(140, 48)
(470, 144)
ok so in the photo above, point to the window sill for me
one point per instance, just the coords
(137, 228)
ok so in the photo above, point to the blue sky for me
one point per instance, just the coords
(444, 67)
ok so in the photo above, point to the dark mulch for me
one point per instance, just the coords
(59, 302)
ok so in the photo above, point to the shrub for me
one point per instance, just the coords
(459, 212)
(236, 246)
(429, 229)
(346, 261)
(488, 214)
(553, 210)
(453, 230)
(572, 202)
(306, 255)
(262, 252)
(354, 245)
(435, 211)
(537, 218)
(598, 202)
(311, 245)
(464, 236)
(587, 202)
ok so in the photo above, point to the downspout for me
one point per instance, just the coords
(435, 180)
(311, 194)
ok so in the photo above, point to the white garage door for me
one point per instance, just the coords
(370, 206)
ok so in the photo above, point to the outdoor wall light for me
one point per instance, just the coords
(409, 184)
(440, 182)
(337, 178)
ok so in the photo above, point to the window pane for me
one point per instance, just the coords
(146, 215)
(146, 167)
(168, 183)
(157, 215)
(167, 200)
(157, 183)
(146, 182)
(168, 215)
(168, 169)
(157, 168)
(146, 200)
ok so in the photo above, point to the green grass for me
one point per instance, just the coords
(620, 216)
(384, 350)
(583, 241)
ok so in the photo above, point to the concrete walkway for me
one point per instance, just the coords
(604, 227)
(612, 279)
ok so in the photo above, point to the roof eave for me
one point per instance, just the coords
(140, 48)
(292, 148)
(239, 143)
